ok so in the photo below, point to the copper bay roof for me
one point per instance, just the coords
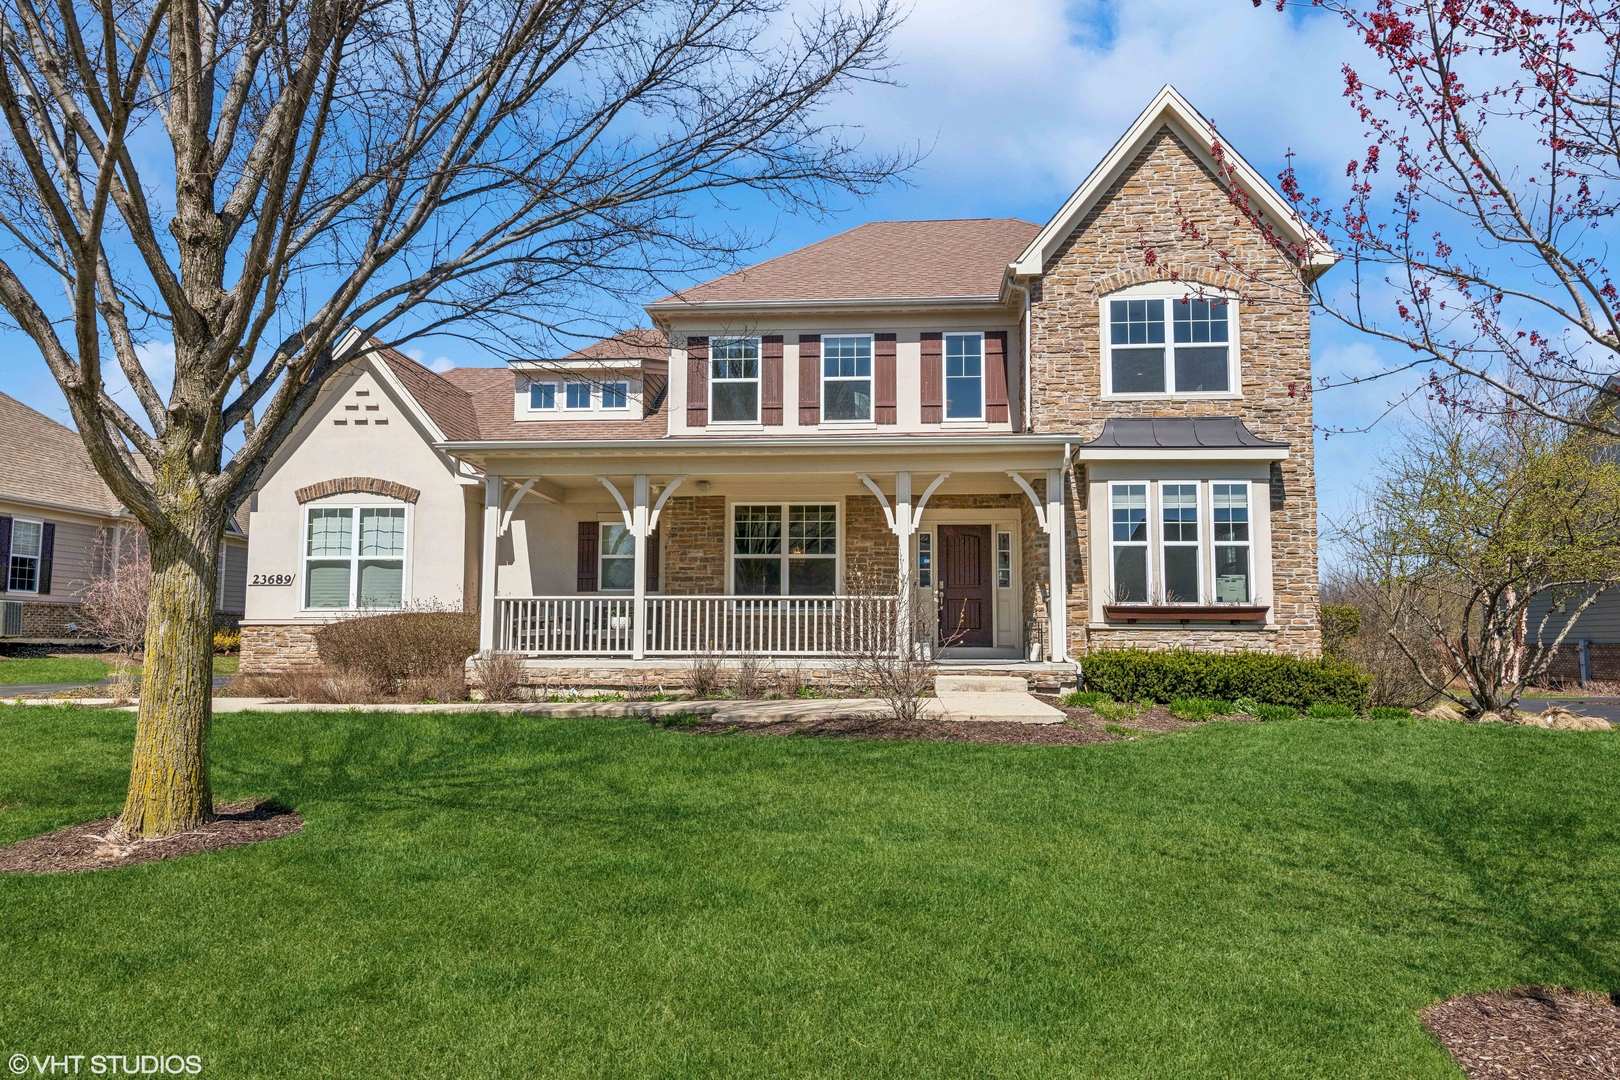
(1179, 433)
(882, 260)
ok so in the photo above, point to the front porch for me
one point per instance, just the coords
(806, 556)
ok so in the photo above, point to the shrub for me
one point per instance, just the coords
(1198, 710)
(750, 678)
(1136, 674)
(1324, 710)
(388, 650)
(1340, 623)
(704, 677)
(1389, 712)
(1085, 699)
(500, 675)
(1245, 705)
(1275, 712)
(227, 641)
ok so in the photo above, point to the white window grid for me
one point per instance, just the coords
(1177, 324)
(1232, 528)
(354, 545)
(1179, 533)
(578, 396)
(846, 364)
(788, 533)
(1003, 560)
(964, 376)
(734, 362)
(925, 559)
(1128, 532)
(27, 549)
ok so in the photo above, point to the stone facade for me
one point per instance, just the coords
(1134, 235)
(692, 546)
(277, 648)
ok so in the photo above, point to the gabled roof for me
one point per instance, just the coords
(640, 344)
(446, 404)
(915, 261)
(43, 461)
(1169, 108)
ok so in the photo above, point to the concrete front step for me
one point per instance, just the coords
(1000, 707)
(980, 684)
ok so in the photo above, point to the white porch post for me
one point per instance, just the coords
(486, 576)
(638, 531)
(1057, 608)
(904, 527)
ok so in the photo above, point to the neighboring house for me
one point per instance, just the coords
(60, 529)
(980, 414)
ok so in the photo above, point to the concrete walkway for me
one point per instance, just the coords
(10, 690)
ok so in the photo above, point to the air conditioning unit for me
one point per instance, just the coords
(11, 613)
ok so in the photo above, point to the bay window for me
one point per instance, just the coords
(1195, 357)
(1179, 542)
(784, 550)
(354, 557)
(1190, 564)
(1232, 562)
(1128, 509)
(734, 380)
(846, 386)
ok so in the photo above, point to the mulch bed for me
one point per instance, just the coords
(1530, 1032)
(85, 847)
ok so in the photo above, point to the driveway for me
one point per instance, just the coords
(1606, 707)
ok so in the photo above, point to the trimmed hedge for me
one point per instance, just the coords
(1276, 679)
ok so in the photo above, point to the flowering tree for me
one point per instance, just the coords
(1479, 217)
(386, 167)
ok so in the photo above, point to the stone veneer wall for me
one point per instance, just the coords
(277, 648)
(871, 551)
(692, 546)
(1143, 213)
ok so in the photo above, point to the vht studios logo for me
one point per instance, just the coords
(106, 1064)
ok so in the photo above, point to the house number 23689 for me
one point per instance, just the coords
(272, 579)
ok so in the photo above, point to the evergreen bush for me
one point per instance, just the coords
(1276, 679)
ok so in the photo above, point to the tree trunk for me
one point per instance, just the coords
(168, 780)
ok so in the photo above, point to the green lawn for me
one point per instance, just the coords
(51, 669)
(481, 896)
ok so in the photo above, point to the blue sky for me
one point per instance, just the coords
(1015, 101)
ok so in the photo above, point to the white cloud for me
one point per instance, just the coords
(442, 364)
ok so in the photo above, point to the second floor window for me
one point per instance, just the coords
(615, 395)
(846, 378)
(543, 395)
(964, 376)
(579, 395)
(1194, 358)
(734, 380)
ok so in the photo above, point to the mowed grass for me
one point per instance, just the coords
(500, 896)
(50, 669)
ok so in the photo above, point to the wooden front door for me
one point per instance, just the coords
(967, 592)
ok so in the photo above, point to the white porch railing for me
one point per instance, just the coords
(695, 625)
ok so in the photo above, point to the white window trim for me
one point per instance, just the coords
(945, 379)
(1008, 569)
(1160, 291)
(11, 545)
(731, 544)
(624, 391)
(925, 546)
(304, 558)
(555, 387)
(758, 380)
(1252, 543)
(601, 557)
(1146, 543)
(870, 419)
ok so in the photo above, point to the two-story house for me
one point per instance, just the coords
(1090, 433)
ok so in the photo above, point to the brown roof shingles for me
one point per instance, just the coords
(443, 401)
(44, 461)
(882, 260)
(490, 391)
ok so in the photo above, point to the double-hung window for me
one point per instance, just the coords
(579, 395)
(1195, 357)
(846, 387)
(1232, 562)
(543, 395)
(354, 557)
(964, 376)
(785, 550)
(734, 380)
(1129, 540)
(617, 570)
(27, 543)
(1178, 505)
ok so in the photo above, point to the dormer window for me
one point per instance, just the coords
(1193, 358)
(543, 395)
(579, 395)
(616, 395)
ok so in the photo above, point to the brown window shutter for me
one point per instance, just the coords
(883, 392)
(590, 535)
(995, 376)
(652, 561)
(697, 387)
(933, 377)
(47, 554)
(770, 391)
(5, 553)
(809, 380)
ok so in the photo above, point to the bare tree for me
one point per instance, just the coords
(476, 167)
(1469, 522)
(1479, 219)
(886, 648)
(115, 604)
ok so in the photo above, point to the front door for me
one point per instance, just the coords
(967, 595)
